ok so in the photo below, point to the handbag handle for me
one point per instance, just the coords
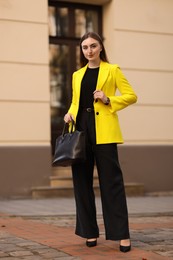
(64, 128)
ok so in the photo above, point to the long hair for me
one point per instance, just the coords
(103, 56)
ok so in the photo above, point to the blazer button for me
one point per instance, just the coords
(97, 113)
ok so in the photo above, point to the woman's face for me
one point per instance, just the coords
(91, 49)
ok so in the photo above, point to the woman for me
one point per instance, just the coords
(94, 106)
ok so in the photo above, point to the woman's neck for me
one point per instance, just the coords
(94, 64)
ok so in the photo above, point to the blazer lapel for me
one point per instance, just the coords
(103, 74)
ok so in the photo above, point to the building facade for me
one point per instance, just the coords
(138, 35)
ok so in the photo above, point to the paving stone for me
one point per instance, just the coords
(10, 258)
(20, 253)
(31, 257)
(41, 251)
(52, 255)
(167, 253)
(58, 254)
(2, 254)
(14, 240)
(35, 247)
(27, 244)
(49, 253)
(151, 238)
(142, 245)
(3, 236)
(9, 247)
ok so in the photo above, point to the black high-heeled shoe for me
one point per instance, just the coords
(91, 243)
(125, 249)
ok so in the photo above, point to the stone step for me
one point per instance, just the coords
(61, 171)
(66, 181)
(132, 189)
(65, 171)
(55, 192)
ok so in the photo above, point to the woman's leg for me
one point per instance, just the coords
(112, 192)
(86, 223)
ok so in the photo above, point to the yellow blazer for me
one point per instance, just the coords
(110, 78)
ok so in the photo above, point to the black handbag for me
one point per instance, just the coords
(69, 147)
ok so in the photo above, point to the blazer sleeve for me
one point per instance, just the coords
(127, 96)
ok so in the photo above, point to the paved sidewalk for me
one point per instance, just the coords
(44, 229)
(66, 206)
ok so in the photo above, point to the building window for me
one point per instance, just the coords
(67, 23)
(58, 21)
(85, 21)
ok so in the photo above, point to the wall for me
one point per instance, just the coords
(139, 37)
(24, 99)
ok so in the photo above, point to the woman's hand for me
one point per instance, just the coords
(98, 94)
(68, 118)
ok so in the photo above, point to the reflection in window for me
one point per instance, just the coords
(58, 21)
(62, 21)
(86, 21)
(58, 77)
(77, 57)
(52, 21)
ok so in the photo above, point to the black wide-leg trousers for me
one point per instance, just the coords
(112, 190)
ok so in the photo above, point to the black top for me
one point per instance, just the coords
(88, 85)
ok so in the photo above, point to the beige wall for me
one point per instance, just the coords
(139, 37)
(25, 153)
(24, 78)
